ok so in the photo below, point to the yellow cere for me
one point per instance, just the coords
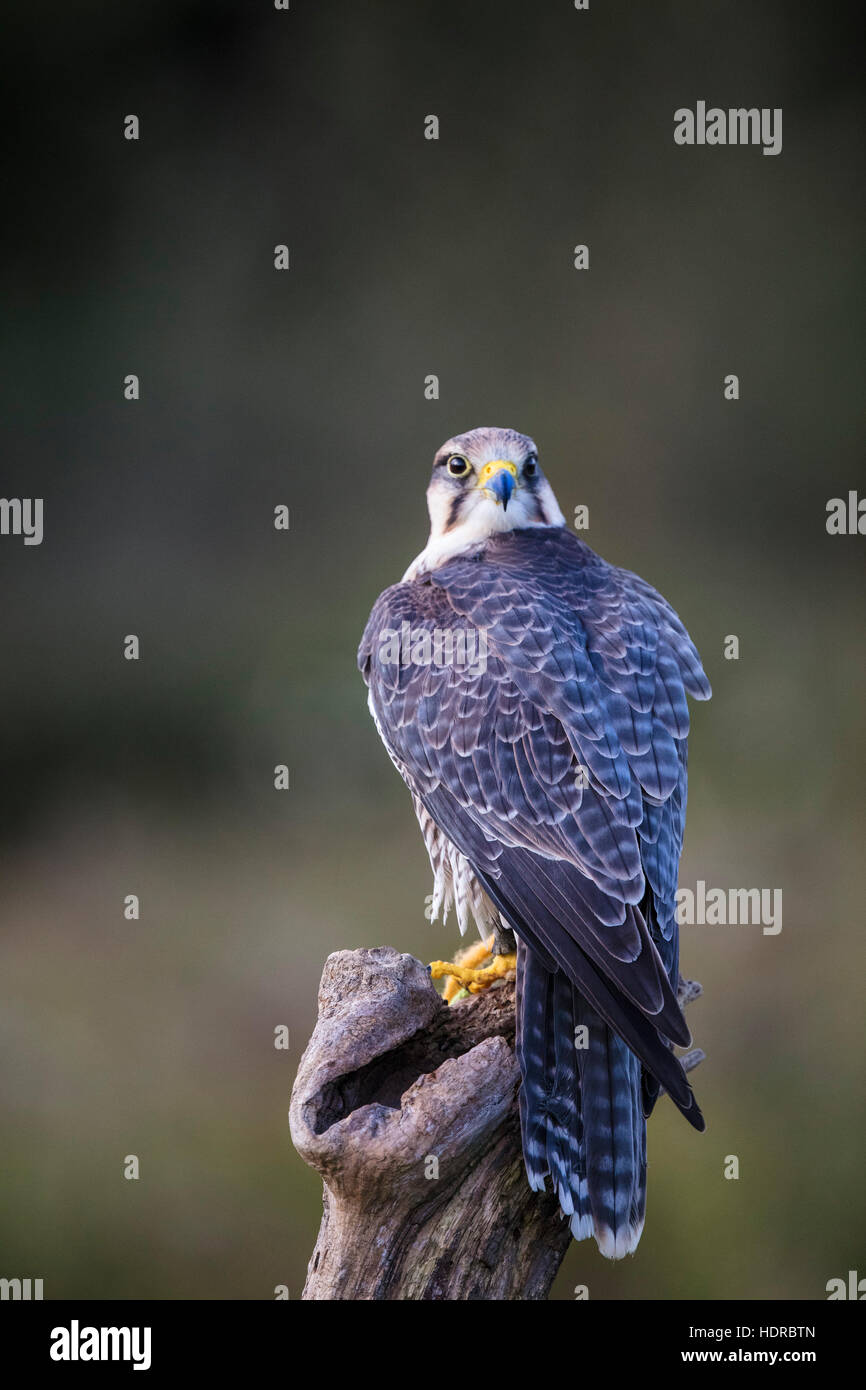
(495, 466)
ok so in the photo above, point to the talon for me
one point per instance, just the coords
(463, 974)
(466, 958)
(500, 967)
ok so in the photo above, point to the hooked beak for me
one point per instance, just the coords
(499, 479)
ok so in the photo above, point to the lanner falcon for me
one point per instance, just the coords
(533, 698)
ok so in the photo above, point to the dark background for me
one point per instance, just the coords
(408, 257)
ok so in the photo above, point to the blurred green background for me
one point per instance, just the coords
(408, 257)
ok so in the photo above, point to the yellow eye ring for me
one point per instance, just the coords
(458, 466)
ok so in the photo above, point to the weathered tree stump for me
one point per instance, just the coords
(408, 1109)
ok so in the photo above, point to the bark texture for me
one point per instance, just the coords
(408, 1110)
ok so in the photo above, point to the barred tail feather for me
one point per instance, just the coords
(581, 1110)
(549, 1099)
(615, 1136)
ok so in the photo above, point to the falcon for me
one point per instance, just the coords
(533, 698)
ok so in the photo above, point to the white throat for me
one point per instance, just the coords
(487, 519)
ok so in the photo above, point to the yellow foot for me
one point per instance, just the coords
(468, 958)
(465, 976)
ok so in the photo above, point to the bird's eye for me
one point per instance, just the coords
(457, 466)
(530, 468)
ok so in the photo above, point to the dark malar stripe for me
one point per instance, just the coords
(541, 516)
(454, 513)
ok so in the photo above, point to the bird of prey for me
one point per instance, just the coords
(533, 698)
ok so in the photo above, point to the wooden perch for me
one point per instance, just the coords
(408, 1110)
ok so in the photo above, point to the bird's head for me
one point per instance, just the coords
(483, 482)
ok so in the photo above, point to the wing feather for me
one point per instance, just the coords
(586, 667)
